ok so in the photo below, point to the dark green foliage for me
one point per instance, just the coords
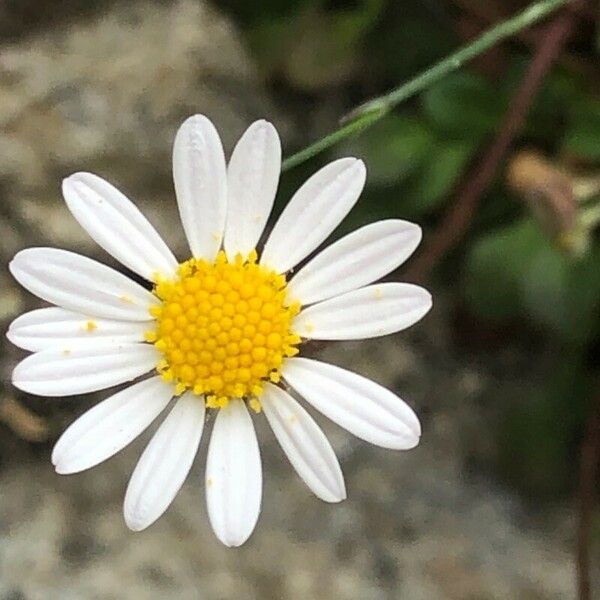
(537, 438)
(515, 272)
(330, 55)
(464, 106)
(582, 136)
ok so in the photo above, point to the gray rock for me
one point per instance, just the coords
(107, 95)
(416, 525)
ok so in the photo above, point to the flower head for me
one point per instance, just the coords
(222, 330)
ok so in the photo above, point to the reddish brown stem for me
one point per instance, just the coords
(588, 473)
(459, 216)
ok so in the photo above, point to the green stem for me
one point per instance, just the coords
(372, 111)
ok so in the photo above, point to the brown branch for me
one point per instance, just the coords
(459, 216)
(588, 473)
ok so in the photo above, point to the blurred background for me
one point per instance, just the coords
(498, 162)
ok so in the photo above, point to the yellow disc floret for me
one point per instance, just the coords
(223, 328)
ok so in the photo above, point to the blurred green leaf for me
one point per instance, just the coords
(351, 25)
(441, 171)
(516, 272)
(537, 434)
(563, 294)
(582, 137)
(464, 105)
(394, 148)
(494, 267)
(544, 283)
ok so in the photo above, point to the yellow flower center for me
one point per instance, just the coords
(223, 328)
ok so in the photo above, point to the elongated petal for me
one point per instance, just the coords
(81, 370)
(304, 444)
(81, 284)
(110, 425)
(252, 178)
(314, 211)
(117, 225)
(233, 475)
(369, 312)
(200, 177)
(363, 407)
(358, 259)
(54, 327)
(165, 463)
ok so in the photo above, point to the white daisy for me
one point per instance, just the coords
(220, 331)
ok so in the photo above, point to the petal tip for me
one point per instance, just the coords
(68, 189)
(71, 177)
(62, 469)
(232, 540)
(410, 440)
(356, 169)
(82, 177)
(134, 521)
(263, 124)
(196, 117)
(414, 228)
(428, 300)
(20, 385)
(65, 465)
(362, 172)
(55, 455)
(13, 265)
(414, 442)
(335, 496)
(359, 165)
(134, 526)
(417, 430)
(269, 131)
(197, 120)
(423, 297)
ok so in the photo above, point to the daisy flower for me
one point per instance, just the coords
(221, 331)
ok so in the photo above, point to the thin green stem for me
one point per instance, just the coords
(372, 111)
(356, 125)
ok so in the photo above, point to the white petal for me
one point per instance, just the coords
(54, 327)
(363, 407)
(68, 372)
(252, 178)
(200, 178)
(117, 225)
(233, 475)
(369, 312)
(361, 257)
(110, 425)
(81, 284)
(165, 463)
(304, 444)
(314, 211)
